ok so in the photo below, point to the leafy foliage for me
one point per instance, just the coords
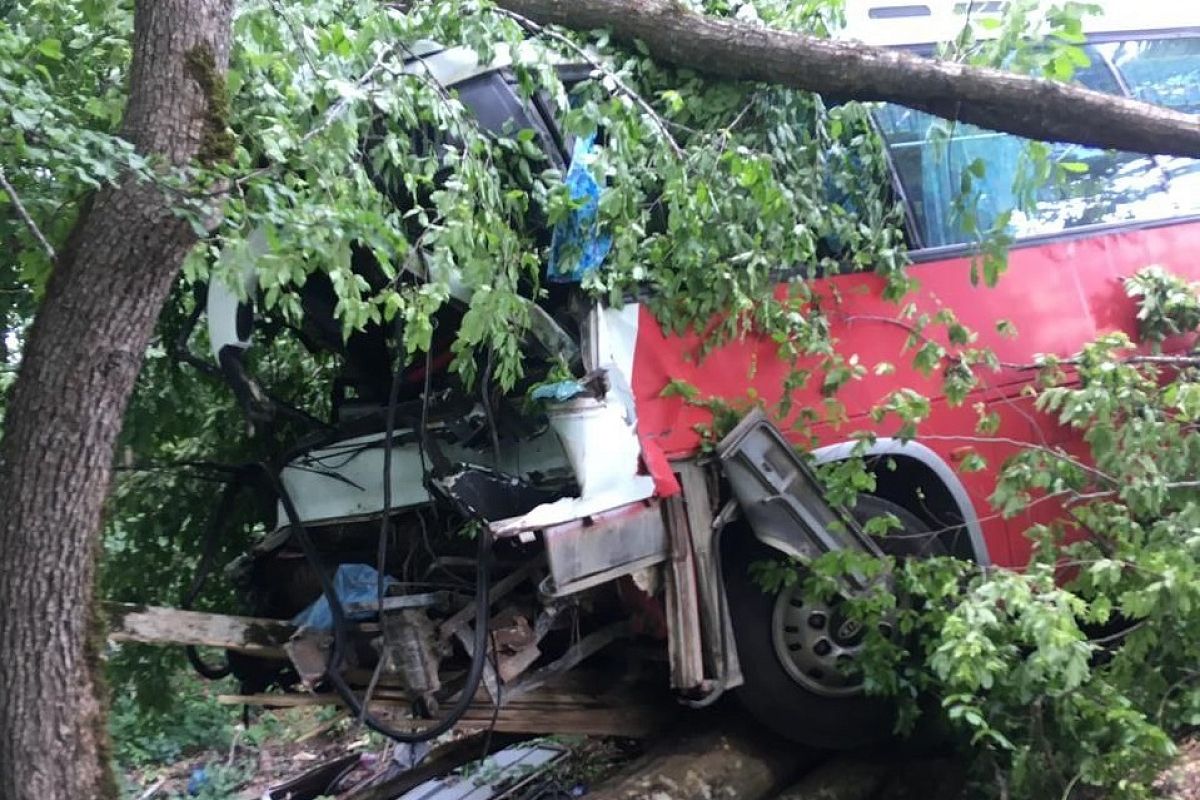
(714, 191)
(1046, 669)
(148, 737)
(1167, 305)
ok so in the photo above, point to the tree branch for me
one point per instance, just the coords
(1018, 104)
(635, 98)
(24, 215)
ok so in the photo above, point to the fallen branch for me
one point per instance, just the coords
(1003, 101)
(541, 30)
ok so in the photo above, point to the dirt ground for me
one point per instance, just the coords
(248, 769)
(1182, 782)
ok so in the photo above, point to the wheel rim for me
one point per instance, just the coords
(817, 644)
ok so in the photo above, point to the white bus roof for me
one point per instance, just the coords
(899, 23)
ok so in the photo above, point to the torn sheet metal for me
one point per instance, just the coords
(342, 481)
(604, 453)
(511, 774)
(600, 436)
(612, 336)
(583, 553)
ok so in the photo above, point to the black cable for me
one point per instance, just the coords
(385, 524)
(427, 387)
(497, 700)
(487, 410)
(332, 674)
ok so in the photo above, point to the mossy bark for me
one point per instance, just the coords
(77, 373)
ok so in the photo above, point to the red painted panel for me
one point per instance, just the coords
(1058, 295)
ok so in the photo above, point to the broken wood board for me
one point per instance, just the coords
(158, 625)
(552, 713)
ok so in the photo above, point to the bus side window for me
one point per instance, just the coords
(1166, 72)
(931, 157)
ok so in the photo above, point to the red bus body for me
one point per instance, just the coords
(1058, 295)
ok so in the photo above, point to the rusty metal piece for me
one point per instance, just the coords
(514, 646)
(587, 552)
(413, 653)
(308, 650)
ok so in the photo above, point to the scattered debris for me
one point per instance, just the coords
(1182, 781)
(518, 772)
(317, 781)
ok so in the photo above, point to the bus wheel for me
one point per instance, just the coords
(797, 656)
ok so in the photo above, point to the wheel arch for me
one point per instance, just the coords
(923, 483)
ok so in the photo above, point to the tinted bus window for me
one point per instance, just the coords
(1166, 72)
(1096, 186)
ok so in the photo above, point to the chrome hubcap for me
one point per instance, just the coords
(817, 644)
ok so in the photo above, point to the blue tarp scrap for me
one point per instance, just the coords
(577, 246)
(559, 392)
(353, 584)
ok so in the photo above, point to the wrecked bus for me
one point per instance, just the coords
(517, 545)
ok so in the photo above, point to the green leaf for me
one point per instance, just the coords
(51, 48)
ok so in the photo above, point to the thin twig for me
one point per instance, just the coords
(540, 30)
(1074, 361)
(24, 215)
(1055, 454)
(338, 108)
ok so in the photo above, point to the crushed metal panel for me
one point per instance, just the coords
(500, 776)
(720, 651)
(607, 545)
(683, 604)
(782, 498)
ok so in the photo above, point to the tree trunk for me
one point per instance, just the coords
(1032, 107)
(78, 370)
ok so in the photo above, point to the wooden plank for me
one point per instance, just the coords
(573, 715)
(499, 589)
(157, 625)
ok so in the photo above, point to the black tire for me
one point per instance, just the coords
(769, 693)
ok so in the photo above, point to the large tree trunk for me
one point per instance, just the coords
(1039, 109)
(77, 372)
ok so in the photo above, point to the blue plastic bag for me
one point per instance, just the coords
(353, 584)
(577, 240)
(559, 392)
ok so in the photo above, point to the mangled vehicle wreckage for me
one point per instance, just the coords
(439, 539)
(444, 541)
